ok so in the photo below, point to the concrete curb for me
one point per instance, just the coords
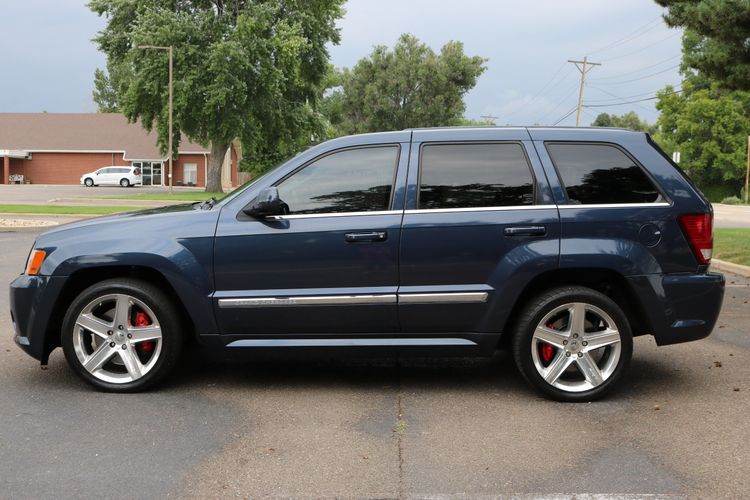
(730, 267)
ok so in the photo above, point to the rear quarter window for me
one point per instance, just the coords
(601, 174)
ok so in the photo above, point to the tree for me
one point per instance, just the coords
(630, 121)
(248, 68)
(105, 95)
(709, 126)
(411, 86)
(716, 38)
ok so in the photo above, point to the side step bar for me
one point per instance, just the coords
(395, 342)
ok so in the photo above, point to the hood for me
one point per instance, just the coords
(107, 220)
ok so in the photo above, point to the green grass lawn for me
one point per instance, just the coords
(732, 245)
(64, 209)
(181, 196)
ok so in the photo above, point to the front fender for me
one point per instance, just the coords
(178, 246)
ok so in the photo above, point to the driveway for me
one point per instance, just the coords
(459, 428)
(731, 215)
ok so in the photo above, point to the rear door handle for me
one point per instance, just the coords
(366, 237)
(525, 231)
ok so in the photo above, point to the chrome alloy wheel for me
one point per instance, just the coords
(117, 338)
(576, 347)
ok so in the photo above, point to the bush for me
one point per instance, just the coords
(717, 192)
(731, 200)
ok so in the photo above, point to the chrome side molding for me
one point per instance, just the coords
(318, 300)
(336, 300)
(443, 298)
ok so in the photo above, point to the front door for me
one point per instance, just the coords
(330, 265)
(479, 218)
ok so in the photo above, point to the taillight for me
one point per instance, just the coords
(699, 232)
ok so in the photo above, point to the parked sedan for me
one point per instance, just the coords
(113, 176)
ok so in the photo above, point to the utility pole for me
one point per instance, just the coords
(169, 49)
(489, 119)
(747, 171)
(583, 69)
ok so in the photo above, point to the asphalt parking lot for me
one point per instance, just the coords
(72, 194)
(678, 427)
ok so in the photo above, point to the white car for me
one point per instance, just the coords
(113, 176)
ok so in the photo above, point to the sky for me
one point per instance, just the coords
(48, 59)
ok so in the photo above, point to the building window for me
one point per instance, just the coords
(190, 174)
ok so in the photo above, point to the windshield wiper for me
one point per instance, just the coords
(205, 205)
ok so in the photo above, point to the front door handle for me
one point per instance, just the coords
(525, 231)
(366, 237)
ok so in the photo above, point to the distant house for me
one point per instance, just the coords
(57, 148)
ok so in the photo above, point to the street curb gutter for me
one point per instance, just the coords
(730, 267)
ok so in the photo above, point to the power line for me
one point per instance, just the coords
(642, 77)
(560, 103)
(642, 48)
(621, 98)
(632, 102)
(632, 36)
(636, 70)
(624, 98)
(566, 115)
(522, 104)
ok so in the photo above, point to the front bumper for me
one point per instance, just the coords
(32, 302)
(681, 307)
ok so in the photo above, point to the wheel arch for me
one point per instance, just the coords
(84, 278)
(610, 283)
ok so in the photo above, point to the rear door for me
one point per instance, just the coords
(480, 221)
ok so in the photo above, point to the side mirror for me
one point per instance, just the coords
(266, 204)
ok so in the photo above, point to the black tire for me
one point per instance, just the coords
(166, 315)
(615, 357)
(88, 182)
(124, 183)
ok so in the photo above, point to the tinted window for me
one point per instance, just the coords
(474, 175)
(354, 180)
(598, 173)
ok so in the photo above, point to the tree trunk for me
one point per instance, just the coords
(213, 182)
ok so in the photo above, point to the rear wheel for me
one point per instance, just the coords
(88, 182)
(124, 183)
(122, 335)
(573, 343)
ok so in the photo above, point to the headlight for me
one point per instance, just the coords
(34, 262)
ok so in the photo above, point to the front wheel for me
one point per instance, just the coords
(89, 182)
(573, 343)
(122, 335)
(124, 183)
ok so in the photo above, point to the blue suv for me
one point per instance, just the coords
(558, 244)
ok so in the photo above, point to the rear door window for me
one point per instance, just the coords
(474, 175)
(594, 174)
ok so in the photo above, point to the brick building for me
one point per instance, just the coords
(57, 148)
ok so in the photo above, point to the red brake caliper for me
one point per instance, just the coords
(548, 351)
(141, 319)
